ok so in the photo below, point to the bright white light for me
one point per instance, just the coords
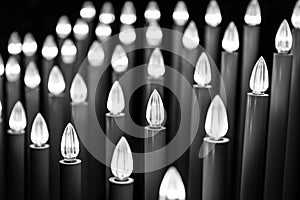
(127, 34)
(202, 74)
(49, 50)
(69, 146)
(39, 131)
(12, 70)
(116, 100)
(78, 91)
(68, 51)
(14, 44)
(152, 12)
(17, 119)
(32, 77)
(155, 112)
(128, 13)
(156, 65)
(190, 39)
(96, 54)
(107, 15)
(56, 82)
(259, 80)
(230, 42)
(119, 59)
(1, 66)
(213, 15)
(103, 31)
(63, 27)
(88, 11)
(154, 34)
(253, 14)
(180, 14)
(296, 15)
(81, 29)
(29, 46)
(284, 39)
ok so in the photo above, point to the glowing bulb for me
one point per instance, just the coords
(107, 15)
(127, 34)
(155, 112)
(49, 50)
(190, 39)
(213, 15)
(202, 74)
(128, 13)
(56, 82)
(180, 14)
(63, 27)
(88, 11)
(68, 51)
(152, 12)
(115, 101)
(103, 31)
(216, 124)
(69, 146)
(259, 81)
(29, 46)
(0, 111)
(17, 119)
(12, 70)
(156, 66)
(78, 90)
(296, 15)
(1, 66)
(14, 44)
(122, 161)
(32, 77)
(230, 42)
(284, 39)
(96, 54)
(172, 186)
(81, 29)
(154, 34)
(39, 131)
(253, 15)
(119, 60)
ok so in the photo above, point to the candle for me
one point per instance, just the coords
(152, 12)
(70, 166)
(1, 79)
(215, 163)
(2, 155)
(278, 115)
(127, 37)
(14, 47)
(15, 176)
(39, 160)
(172, 186)
(128, 13)
(121, 185)
(153, 38)
(107, 15)
(119, 62)
(88, 12)
(63, 30)
(29, 48)
(103, 32)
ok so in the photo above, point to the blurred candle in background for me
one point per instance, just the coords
(119, 62)
(29, 49)
(14, 47)
(2, 82)
(63, 30)
(152, 12)
(88, 12)
(128, 13)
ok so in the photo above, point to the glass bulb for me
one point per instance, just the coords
(253, 15)
(172, 186)
(0, 111)
(96, 54)
(190, 39)
(216, 124)
(81, 29)
(284, 39)
(122, 161)
(29, 46)
(116, 101)
(103, 31)
(14, 44)
(156, 66)
(127, 34)
(202, 74)
(1, 66)
(12, 70)
(128, 13)
(39, 131)
(180, 14)
(107, 15)
(155, 112)
(154, 34)
(88, 11)
(78, 90)
(213, 15)
(17, 119)
(68, 51)
(296, 15)
(49, 50)
(56, 82)
(152, 12)
(259, 80)
(69, 146)
(32, 77)
(63, 27)
(230, 42)
(119, 59)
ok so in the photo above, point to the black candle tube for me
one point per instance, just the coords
(212, 42)
(13, 94)
(82, 50)
(2, 158)
(39, 172)
(45, 71)
(121, 189)
(278, 120)
(70, 180)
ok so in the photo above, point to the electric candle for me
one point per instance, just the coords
(119, 62)
(88, 11)
(14, 47)
(2, 154)
(29, 48)
(127, 37)
(128, 13)
(63, 29)
(180, 15)
(152, 12)
(2, 70)
(154, 36)
(107, 15)
(103, 31)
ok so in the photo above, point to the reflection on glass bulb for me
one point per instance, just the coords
(155, 112)
(88, 11)
(190, 39)
(253, 15)
(127, 34)
(32, 77)
(56, 82)
(29, 46)
(122, 161)
(180, 14)
(172, 186)
(152, 12)
(17, 119)
(156, 66)
(69, 146)
(14, 44)
(81, 29)
(230, 42)
(216, 124)
(107, 15)
(12, 70)
(96, 54)
(78, 90)
(49, 50)
(0, 111)
(259, 81)
(1, 66)
(119, 59)
(68, 51)
(103, 31)
(39, 131)
(128, 13)
(154, 34)
(116, 101)
(213, 15)
(202, 74)
(296, 15)
(63, 27)
(284, 39)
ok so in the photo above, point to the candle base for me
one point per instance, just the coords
(120, 189)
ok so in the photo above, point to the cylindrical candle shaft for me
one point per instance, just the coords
(212, 42)
(120, 189)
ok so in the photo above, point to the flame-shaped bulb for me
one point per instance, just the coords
(39, 131)
(154, 34)
(69, 146)
(180, 14)
(68, 51)
(1, 66)
(107, 15)
(216, 124)
(116, 100)
(81, 29)
(63, 27)
(202, 74)
(155, 112)
(127, 34)
(122, 161)
(259, 80)
(213, 15)
(78, 90)
(32, 77)
(172, 186)
(156, 66)
(190, 38)
(128, 13)
(14, 44)
(29, 46)
(17, 119)
(284, 39)
(253, 14)
(49, 50)
(152, 12)
(96, 54)
(0, 111)
(56, 82)
(103, 31)
(88, 11)
(119, 59)
(12, 70)
(230, 42)
(296, 15)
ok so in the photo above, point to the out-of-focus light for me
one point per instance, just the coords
(12, 70)
(69, 146)
(154, 34)
(128, 13)
(32, 77)
(29, 46)
(107, 15)
(1, 66)
(68, 51)
(103, 31)
(296, 15)
(39, 131)
(119, 59)
(17, 119)
(49, 50)
(284, 39)
(213, 15)
(202, 74)
(253, 14)
(88, 11)
(0, 111)
(78, 90)
(14, 44)
(155, 112)
(152, 12)
(81, 29)
(63, 27)
(156, 66)
(56, 82)
(230, 42)
(96, 54)
(127, 34)
(190, 39)
(116, 101)
(259, 80)
(180, 14)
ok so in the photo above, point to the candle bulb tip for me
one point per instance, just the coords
(88, 11)
(39, 131)
(127, 34)
(119, 59)
(14, 44)
(154, 34)
(49, 50)
(296, 15)
(253, 13)
(116, 101)
(128, 13)
(96, 55)
(259, 80)
(152, 12)
(63, 27)
(155, 112)
(213, 15)
(69, 146)
(180, 14)
(230, 42)
(284, 39)
(12, 70)
(17, 119)
(107, 15)
(32, 77)
(78, 91)
(156, 66)
(29, 46)
(81, 29)
(190, 38)
(202, 74)
(68, 51)
(56, 82)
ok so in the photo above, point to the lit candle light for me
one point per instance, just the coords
(80, 29)
(296, 15)
(103, 31)
(56, 83)
(14, 44)
(128, 13)
(63, 29)
(230, 42)
(253, 14)
(49, 50)
(154, 34)
(107, 15)
(127, 34)
(283, 39)
(29, 46)
(2, 70)
(88, 11)
(119, 62)
(152, 12)
(180, 14)
(32, 77)
(213, 15)
(78, 91)
(190, 39)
